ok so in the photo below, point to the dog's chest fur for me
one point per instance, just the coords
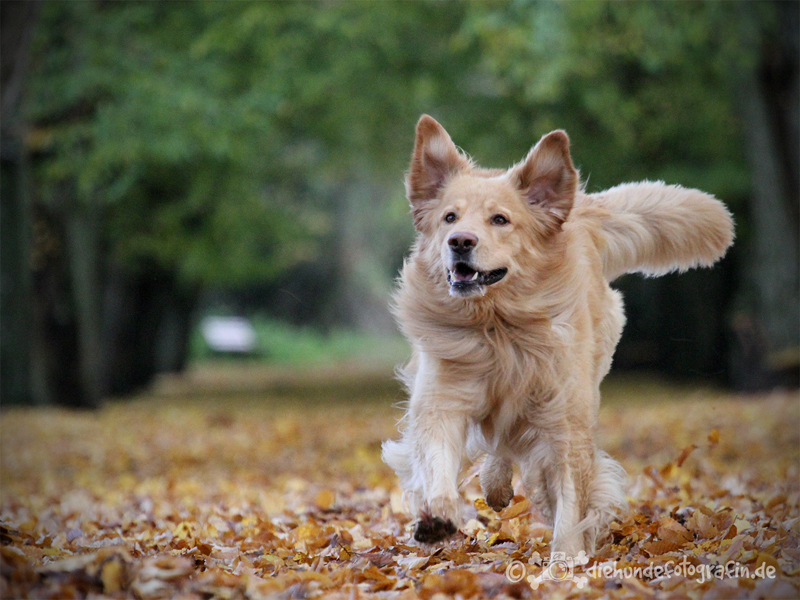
(510, 363)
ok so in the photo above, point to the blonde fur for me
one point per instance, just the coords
(514, 366)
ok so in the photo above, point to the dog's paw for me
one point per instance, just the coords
(570, 546)
(430, 529)
(499, 498)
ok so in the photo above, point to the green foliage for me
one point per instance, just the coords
(221, 139)
(160, 143)
(645, 89)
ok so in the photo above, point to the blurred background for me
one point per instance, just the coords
(167, 166)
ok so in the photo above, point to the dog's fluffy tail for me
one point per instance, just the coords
(654, 228)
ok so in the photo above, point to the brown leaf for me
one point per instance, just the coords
(775, 501)
(653, 474)
(455, 582)
(702, 525)
(379, 581)
(672, 531)
(685, 454)
(379, 559)
(724, 519)
(659, 547)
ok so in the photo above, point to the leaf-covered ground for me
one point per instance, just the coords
(251, 495)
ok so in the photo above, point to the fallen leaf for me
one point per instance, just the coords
(685, 454)
(325, 499)
(672, 531)
(154, 499)
(515, 510)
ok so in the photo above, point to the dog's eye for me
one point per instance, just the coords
(499, 220)
(450, 218)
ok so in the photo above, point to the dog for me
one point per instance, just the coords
(506, 302)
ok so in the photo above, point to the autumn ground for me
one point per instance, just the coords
(241, 484)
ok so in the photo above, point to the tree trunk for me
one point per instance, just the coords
(147, 326)
(82, 240)
(172, 352)
(767, 327)
(15, 285)
(17, 20)
(54, 335)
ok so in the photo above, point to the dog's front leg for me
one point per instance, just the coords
(428, 457)
(439, 438)
(496, 485)
(549, 478)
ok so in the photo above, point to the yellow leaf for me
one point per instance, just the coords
(498, 538)
(27, 526)
(742, 525)
(111, 576)
(183, 531)
(480, 504)
(270, 561)
(767, 559)
(515, 510)
(325, 499)
(306, 532)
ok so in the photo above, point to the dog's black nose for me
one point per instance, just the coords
(461, 242)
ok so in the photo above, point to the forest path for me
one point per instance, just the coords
(245, 493)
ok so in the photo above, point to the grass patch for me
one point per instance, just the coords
(282, 343)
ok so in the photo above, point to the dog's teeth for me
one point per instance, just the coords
(475, 276)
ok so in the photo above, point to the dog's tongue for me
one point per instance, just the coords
(463, 273)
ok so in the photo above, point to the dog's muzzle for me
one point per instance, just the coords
(465, 280)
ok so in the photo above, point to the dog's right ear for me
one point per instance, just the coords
(434, 161)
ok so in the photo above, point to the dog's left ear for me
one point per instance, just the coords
(547, 177)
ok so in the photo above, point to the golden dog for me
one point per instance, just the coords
(505, 299)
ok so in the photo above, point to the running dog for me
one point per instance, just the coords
(506, 301)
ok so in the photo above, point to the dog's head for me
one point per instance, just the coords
(483, 228)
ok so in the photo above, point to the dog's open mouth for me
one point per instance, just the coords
(464, 279)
